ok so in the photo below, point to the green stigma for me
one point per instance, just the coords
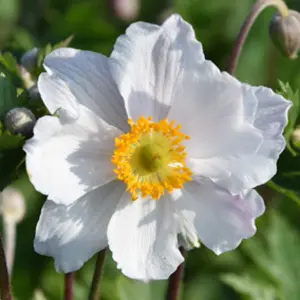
(148, 158)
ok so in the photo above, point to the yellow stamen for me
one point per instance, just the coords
(150, 158)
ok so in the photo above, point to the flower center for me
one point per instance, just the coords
(151, 159)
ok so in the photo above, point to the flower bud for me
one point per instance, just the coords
(127, 10)
(285, 33)
(296, 138)
(20, 120)
(12, 205)
(29, 60)
(34, 94)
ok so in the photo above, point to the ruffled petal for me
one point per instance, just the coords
(142, 236)
(67, 160)
(72, 234)
(220, 219)
(209, 107)
(88, 79)
(148, 64)
(247, 171)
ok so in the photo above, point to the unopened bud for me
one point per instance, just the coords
(34, 93)
(285, 33)
(296, 138)
(29, 60)
(12, 205)
(20, 120)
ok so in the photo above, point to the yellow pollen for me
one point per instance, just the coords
(151, 159)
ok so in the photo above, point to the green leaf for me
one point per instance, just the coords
(204, 286)
(275, 269)
(284, 246)
(9, 141)
(9, 62)
(288, 174)
(43, 52)
(64, 43)
(8, 95)
(252, 287)
(9, 162)
(287, 92)
(135, 290)
(9, 10)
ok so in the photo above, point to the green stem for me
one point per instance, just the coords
(175, 280)
(258, 7)
(283, 191)
(95, 287)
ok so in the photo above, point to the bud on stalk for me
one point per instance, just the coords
(285, 33)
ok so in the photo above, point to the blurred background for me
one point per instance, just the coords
(266, 267)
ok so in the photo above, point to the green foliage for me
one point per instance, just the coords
(250, 286)
(288, 175)
(9, 62)
(287, 179)
(9, 162)
(8, 95)
(275, 269)
(9, 141)
(43, 52)
(287, 92)
(204, 286)
(131, 289)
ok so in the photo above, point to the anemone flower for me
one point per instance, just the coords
(148, 150)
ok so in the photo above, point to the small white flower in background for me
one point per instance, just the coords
(152, 146)
(12, 205)
(12, 209)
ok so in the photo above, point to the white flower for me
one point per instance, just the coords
(12, 205)
(101, 182)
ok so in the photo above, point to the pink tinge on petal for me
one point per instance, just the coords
(221, 220)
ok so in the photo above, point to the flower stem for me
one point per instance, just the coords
(5, 292)
(174, 285)
(257, 8)
(95, 287)
(9, 243)
(69, 277)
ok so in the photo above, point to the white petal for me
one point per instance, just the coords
(142, 236)
(245, 172)
(57, 96)
(209, 107)
(221, 219)
(72, 234)
(188, 236)
(271, 118)
(65, 161)
(87, 76)
(148, 63)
